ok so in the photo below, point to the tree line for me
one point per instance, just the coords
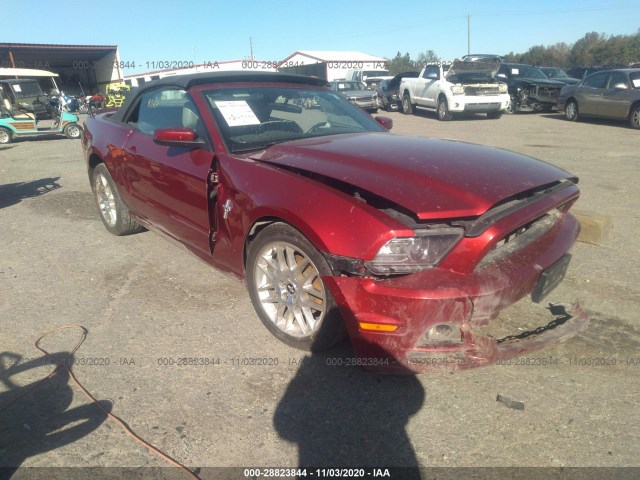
(594, 49)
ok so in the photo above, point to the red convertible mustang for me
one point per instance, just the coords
(408, 245)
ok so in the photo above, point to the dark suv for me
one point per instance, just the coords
(529, 87)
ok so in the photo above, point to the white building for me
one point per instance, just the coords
(334, 65)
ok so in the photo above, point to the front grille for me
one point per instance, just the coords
(480, 91)
(545, 92)
(521, 237)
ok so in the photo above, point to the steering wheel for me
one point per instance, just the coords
(318, 126)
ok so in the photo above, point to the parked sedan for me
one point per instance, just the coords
(409, 245)
(357, 94)
(608, 94)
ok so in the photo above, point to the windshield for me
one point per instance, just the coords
(26, 89)
(252, 118)
(555, 73)
(348, 86)
(527, 72)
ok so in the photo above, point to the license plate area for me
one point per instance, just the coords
(550, 278)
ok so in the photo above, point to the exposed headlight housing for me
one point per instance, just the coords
(411, 254)
(502, 88)
(457, 89)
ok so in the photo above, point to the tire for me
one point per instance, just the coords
(443, 110)
(407, 107)
(72, 131)
(84, 108)
(5, 136)
(284, 281)
(113, 212)
(513, 106)
(494, 115)
(571, 111)
(634, 117)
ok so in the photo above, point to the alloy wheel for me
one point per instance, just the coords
(106, 200)
(290, 289)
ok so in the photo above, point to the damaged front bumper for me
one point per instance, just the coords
(434, 319)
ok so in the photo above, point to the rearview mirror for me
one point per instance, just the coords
(177, 137)
(386, 122)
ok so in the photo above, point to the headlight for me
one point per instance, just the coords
(502, 88)
(457, 89)
(412, 254)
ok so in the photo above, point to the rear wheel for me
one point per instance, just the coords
(634, 117)
(571, 111)
(443, 110)
(113, 212)
(407, 107)
(284, 279)
(5, 136)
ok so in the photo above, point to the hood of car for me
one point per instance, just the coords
(432, 178)
(484, 67)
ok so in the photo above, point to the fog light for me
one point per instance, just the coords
(443, 333)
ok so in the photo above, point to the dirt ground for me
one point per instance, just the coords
(147, 304)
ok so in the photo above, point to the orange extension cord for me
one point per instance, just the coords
(93, 399)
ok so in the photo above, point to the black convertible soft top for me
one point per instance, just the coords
(187, 81)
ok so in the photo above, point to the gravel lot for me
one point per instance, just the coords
(147, 303)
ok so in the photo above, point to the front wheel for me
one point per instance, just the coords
(407, 107)
(443, 110)
(72, 130)
(494, 115)
(513, 106)
(84, 108)
(284, 279)
(634, 117)
(113, 212)
(5, 136)
(571, 111)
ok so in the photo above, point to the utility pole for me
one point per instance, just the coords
(251, 49)
(468, 34)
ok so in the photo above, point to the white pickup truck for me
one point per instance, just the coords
(465, 85)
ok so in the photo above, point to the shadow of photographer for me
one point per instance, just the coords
(342, 416)
(13, 193)
(40, 420)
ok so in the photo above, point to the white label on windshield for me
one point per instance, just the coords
(237, 112)
(515, 71)
(16, 87)
(636, 83)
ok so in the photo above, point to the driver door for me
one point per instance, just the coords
(168, 186)
(430, 78)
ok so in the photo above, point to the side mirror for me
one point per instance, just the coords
(386, 122)
(177, 137)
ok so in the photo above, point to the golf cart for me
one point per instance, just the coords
(26, 110)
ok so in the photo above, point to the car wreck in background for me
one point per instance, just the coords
(465, 86)
(407, 245)
(529, 87)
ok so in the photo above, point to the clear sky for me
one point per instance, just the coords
(209, 30)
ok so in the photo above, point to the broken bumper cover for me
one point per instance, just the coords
(408, 308)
